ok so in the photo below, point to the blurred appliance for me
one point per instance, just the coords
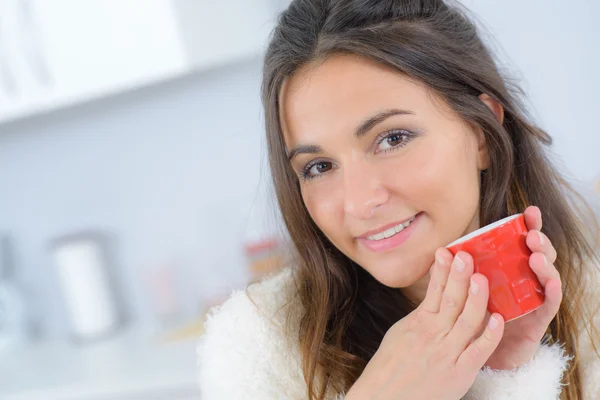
(83, 273)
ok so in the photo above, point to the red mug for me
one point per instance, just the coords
(500, 253)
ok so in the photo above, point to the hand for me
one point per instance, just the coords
(523, 335)
(435, 351)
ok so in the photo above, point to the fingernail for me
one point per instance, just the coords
(459, 264)
(474, 287)
(493, 323)
(439, 260)
(541, 238)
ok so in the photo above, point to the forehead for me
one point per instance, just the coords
(341, 92)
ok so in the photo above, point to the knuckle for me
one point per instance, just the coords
(448, 301)
(477, 353)
(557, 276)
(487, 336)
(540, 257)
(560, 297)
(428, 337)
(439, 271)
(465, 324)
(440, 358)
(439, 287)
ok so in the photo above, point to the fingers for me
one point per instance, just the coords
(480, 350)
(437, 282)
(469, 323)
(538, 242)
(553, 297)
(541, 263)
(543, 268)
(455, 295)
(549, 278)
(533, 218)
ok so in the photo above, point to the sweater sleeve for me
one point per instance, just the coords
(249, 348)
(235, 354)
(540, 379)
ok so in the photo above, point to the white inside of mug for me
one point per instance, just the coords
(484, 229)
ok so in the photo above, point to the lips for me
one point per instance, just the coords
(392, 242)
(392, 231)
(386, 227)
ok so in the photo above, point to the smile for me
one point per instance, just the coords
(392, 237)
(391, 231)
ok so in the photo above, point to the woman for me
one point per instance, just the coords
(391, 133)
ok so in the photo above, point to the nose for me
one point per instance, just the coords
(363, 191)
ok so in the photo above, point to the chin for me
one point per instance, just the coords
(397, 282)
(396, 276)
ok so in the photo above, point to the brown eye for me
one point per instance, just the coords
(392, 140)
(323, 167)
(316, 169)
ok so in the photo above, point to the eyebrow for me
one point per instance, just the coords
(362, 130)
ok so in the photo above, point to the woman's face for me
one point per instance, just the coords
(374, 149)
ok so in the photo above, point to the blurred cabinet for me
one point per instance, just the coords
(56, 53)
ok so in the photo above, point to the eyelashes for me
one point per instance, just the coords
(306, 171)
(399, 138)
(384, 137)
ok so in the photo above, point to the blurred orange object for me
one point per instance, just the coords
(264, 256)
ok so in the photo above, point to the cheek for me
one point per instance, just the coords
(442, 182)
(449, 187)
(324, 208)
(422, 177)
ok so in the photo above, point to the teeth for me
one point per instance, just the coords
(389, 233)
(392, 231)
(377, 236)
(407, 223)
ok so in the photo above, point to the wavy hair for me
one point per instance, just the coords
(347, 312)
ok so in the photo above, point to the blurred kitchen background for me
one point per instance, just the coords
(134, 188)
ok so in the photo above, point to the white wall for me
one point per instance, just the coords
(174, 171)
(556, 47)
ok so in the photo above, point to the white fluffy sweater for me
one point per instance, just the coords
(250, 350)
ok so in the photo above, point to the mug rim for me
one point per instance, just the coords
(484, 229)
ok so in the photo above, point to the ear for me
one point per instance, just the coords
(493, 105)
(483, 156)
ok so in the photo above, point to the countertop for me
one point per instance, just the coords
(129, 365)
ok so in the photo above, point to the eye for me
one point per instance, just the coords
(315, 169)
(391, 140)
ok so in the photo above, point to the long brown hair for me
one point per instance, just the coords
(347, 312)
